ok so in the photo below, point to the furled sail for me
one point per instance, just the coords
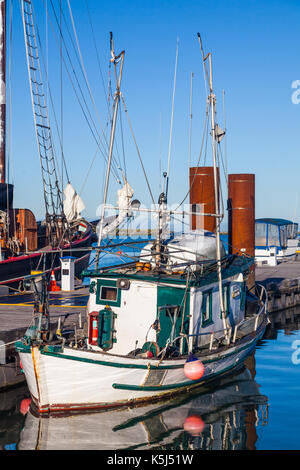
(73, 203)
(125, 205)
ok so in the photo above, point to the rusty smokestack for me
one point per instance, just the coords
(241, 217)
(202, 197)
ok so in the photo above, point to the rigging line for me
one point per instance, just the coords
(172, 116)
(205, 132)
(138, 152)
(10, 97)
(85, 74)
(61, 99)
(122, 138)
(73, 70)
(69, 58)
(160, 154)
(223, 165)
(225, 139)
(34, 66)
(52, 103)
(89, 170)
(114, 170)
(191, 116)
(97, 55)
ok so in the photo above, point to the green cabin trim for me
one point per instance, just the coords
(190, 383)
(173, 301)
(206, 310)
(226, 288)
(107, 283)
(236, 265)
(243, 295)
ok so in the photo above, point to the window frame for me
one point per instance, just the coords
(107, 283)
(206, 296)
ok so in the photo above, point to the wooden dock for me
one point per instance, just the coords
(282, 283)
(16, 311)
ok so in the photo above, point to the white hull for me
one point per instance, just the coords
(86, 380)
(142, 427)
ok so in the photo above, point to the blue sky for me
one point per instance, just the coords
(255, 50)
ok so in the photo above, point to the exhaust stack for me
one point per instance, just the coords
(241, 217)
(202, 197)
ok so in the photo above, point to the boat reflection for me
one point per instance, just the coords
(224, 417)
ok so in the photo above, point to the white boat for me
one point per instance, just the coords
(276, 240)
(219, 414)
(177, 317)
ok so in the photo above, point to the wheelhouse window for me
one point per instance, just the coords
(108, 293)
(243, 296)
(226, 299)
(207, 308)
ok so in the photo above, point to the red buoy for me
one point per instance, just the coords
(194, 425)
(193, 368)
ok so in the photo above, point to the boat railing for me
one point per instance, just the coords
(230, 334)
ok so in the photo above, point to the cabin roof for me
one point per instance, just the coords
(278, 222)
(235, 264)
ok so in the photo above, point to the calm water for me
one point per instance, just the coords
(258, 407)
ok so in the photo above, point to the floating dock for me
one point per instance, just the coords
(282, 283)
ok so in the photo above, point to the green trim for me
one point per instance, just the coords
(27, 349)
(243, 296)
(190, 383)
(237, 264)
(21, 347)
(155, 389)
(141, 366)
(226, 289)
(107, 283)
(111, 364)
(207, 296)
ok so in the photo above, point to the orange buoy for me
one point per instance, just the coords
(193, 368)
(194, 425)
(25, 404)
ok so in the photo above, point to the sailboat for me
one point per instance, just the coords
(28, 246)
(176, 319)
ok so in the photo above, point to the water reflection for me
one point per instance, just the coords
(12, 416)
(221, 418)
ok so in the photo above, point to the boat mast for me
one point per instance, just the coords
(55, 217)
(212, 102)
(2, 90)
(115, 60)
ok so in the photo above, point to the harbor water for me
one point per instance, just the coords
(243, 411)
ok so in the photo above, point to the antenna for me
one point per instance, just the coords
(115, 60)
(212, 102)
(172, 115)
(191, 116)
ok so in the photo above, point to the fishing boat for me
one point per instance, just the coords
(218, 414)
(178, 317)
(276, 240)
(27, 245)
